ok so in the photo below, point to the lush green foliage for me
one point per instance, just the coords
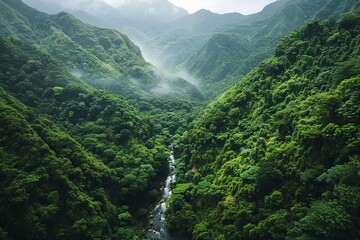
(277, 155)
(51, 187)
(87, 166)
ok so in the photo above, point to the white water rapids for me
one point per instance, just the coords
(158, 229)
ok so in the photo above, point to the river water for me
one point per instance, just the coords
(157, 228)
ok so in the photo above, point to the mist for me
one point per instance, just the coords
(77, 72)
(161, 89)
(133, 17)
(157, 62)
(188, 77)
(93, 7)
(150, 56)
(120, 3)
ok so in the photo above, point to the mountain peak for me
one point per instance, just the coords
(203, 11)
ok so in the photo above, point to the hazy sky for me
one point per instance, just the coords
(218, 6)
(223, 6)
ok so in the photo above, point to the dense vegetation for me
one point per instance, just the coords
(76, 162)
(85, 125)
(277, 155)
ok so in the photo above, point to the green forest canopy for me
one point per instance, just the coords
(277, 155)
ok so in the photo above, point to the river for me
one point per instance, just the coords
(157, 228)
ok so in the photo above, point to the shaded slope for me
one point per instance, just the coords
(277, 155)
(50, 186)
(102, 157)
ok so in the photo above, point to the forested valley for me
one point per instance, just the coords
(266, 140)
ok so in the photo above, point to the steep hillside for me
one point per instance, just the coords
(103, 58)
(76, 161)
(277, 155)
(262, 35)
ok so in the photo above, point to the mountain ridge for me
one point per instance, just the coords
(105, 57)
(126, 14)
(263, 35)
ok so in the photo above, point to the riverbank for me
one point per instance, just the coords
(157, 220)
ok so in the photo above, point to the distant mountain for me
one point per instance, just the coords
(191, 32)
(134, 13)
(154, 24)
(148, 13)
(262, 37)
(204, 21)
(186, 42)
(103, 58)
(159, 27)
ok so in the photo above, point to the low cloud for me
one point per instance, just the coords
(188, 77)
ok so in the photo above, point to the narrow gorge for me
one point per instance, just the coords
(157, 220)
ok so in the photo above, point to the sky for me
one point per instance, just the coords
(223, 6)
(218, 6)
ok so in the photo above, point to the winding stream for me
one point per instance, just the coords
(157, 228)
